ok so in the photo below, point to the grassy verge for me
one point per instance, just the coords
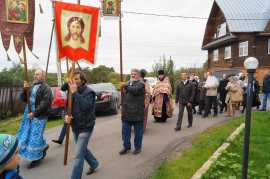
(187, 162)
(11, 125)
(229, 165)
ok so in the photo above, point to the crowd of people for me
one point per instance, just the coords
(204, 97)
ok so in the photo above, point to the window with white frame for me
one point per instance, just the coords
(222, 30)
(228, 52)
(215, 55)
(243, 49)
(269, 46)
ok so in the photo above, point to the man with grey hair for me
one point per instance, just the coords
(132, 112)
(32, 145)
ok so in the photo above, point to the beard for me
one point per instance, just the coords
(35, 81)
(75, 36)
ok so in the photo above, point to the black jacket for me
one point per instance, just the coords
(133, 101)
(196, 91)
(222, 89)
(43, 99)
(266, 84)
(185, 92)
(83, 110)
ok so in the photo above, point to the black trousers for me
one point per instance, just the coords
(210, 101)
(181, 113)
(223, 104)
(201, 105)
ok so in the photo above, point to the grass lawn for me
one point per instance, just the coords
(187, 162)
(11, 125)
(230, 163)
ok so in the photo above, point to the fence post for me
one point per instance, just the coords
(5, 102)
(11, 103)
(1, 99)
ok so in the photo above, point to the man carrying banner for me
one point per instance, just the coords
(32, 145)
(82, 122)
(133, 112)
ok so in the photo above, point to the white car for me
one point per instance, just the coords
(152, 82)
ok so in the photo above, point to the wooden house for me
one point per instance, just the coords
(237, 29)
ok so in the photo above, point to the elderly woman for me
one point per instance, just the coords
(162, 104)
(234, 95)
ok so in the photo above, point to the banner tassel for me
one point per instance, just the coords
(21, 60)
(34, 55)
(40, 9)
(8, 57)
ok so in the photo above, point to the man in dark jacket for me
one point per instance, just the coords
(185, 92)
(201, 96)
(223, 92)
(82, 122)
(195, 99)
(32, 144)
(133, 112)
(62, 135)
(266, 91)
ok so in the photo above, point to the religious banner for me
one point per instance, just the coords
(17, 19)
(76, 30)
(111, 7)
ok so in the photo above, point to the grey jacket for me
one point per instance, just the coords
(133, 101)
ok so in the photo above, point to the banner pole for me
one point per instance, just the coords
(70, 115)
(121, 45)
(69, 111)
(26, 78)
(49, 52)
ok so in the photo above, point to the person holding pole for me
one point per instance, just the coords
(82, 122)
(62, 135)
(32, 144)
(133, 112)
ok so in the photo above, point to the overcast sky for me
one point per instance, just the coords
(145, 38)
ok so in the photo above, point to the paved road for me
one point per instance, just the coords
(159, 141)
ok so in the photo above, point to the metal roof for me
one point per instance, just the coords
(245, 15)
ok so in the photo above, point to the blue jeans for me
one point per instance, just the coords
(126, 134)
(63, 133)
(81, 154)
(265, 98)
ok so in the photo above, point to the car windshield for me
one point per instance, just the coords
(102, 87)
(151, 80)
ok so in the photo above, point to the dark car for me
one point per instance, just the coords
(58, 104)
(107, 97)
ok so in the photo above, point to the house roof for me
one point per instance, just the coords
(245, 15)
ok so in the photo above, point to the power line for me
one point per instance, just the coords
(163, 15)
(188, 17)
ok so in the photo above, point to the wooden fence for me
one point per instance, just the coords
(10, 103)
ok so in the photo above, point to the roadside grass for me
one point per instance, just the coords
(11, 125)
(230, 162)
(186, 163)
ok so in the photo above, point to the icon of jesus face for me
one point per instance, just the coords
(75, 27)
(75, 30)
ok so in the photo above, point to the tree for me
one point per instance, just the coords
(12, 76)
(98, 74)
